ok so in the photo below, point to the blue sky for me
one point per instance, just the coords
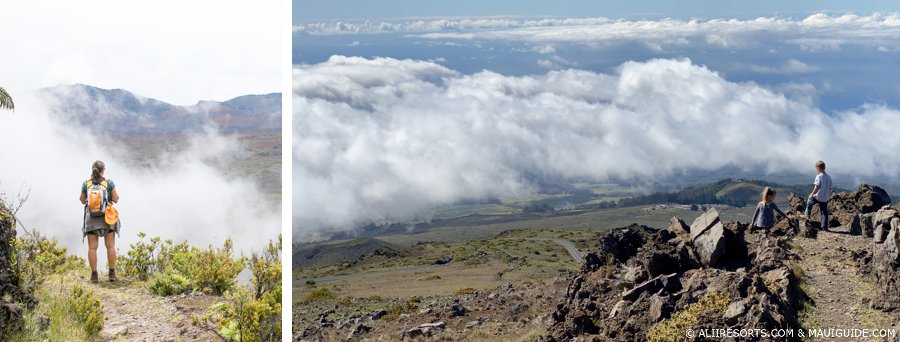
(409, 104)
(305, 10)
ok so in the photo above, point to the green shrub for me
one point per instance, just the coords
(213, 271)
(140, 261)
(87, 309)
(318, 294)
(168, 283)
(310, 283)
(465, 291)
(673, 329)
(36, 257)
(253, 313)
(394, 311)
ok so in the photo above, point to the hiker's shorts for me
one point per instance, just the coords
(97, 225)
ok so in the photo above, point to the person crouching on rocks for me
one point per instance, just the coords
(764, 217)
(98, 194)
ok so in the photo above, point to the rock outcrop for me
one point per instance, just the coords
(11, 295)
(643, 283)
(646, 284)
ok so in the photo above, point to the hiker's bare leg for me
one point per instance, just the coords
(93, 241)
(110, 240)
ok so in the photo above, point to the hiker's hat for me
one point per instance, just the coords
(111, 216)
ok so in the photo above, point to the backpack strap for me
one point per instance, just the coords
(105, 183)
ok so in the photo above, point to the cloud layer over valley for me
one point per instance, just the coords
(383, 138)
(179, 196)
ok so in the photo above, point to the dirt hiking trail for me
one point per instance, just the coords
(829, 276)
(134, 314)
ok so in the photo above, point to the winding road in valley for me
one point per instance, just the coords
(565, 243)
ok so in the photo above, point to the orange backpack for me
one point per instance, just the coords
(97, 197)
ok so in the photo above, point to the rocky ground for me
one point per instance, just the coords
(642, 283)
(510, 312)
(134, 314)
(661, 285)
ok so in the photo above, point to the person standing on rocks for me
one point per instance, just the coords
(764, 217)
(98, 194)
(820, 194)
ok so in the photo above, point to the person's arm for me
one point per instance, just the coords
(114, 196)
(83, 197)
(778, 210)
(818, 183)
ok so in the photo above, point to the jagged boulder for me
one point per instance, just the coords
(844, 206)
(866, 199)
(708, 237)
(892, 243)
(678, 227)
(881, 221)
(623, 243)
(881, 265)
(867, 227)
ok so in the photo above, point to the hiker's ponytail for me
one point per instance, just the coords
(767, 191)
(96, 171)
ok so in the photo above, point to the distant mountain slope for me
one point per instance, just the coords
(117, 111)
(735, 192)
(332, 253)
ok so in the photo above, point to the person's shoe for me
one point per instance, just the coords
(112, 276)
(95, 278)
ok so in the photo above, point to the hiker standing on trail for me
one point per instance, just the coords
(98, 194)
(764, 217)
(820, 194)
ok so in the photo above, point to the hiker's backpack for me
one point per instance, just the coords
(97, 197)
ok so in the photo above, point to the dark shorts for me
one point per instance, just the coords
(96, 225)
(100, 232)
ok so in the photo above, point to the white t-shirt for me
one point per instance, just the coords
(823, 180)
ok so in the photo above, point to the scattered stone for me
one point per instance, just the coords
(457, 310)
(734, 311)
(423, 330)
(378, 314)
(616, 309)
(678, 227)
(707, 235)
(444, 260)
(359, 330)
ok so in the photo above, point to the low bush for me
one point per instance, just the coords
(168, 284)
(253, 313)
(318, 294)
(465, 291)
(211, 271)
(673, 328)
(87, 309)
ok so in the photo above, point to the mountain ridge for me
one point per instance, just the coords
(124, 112)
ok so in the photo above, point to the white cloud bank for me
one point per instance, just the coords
(180, 198)
(175, 51)
(384, 138)
(816, 32)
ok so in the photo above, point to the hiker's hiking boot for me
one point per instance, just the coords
(95, 278)
(112, 276)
